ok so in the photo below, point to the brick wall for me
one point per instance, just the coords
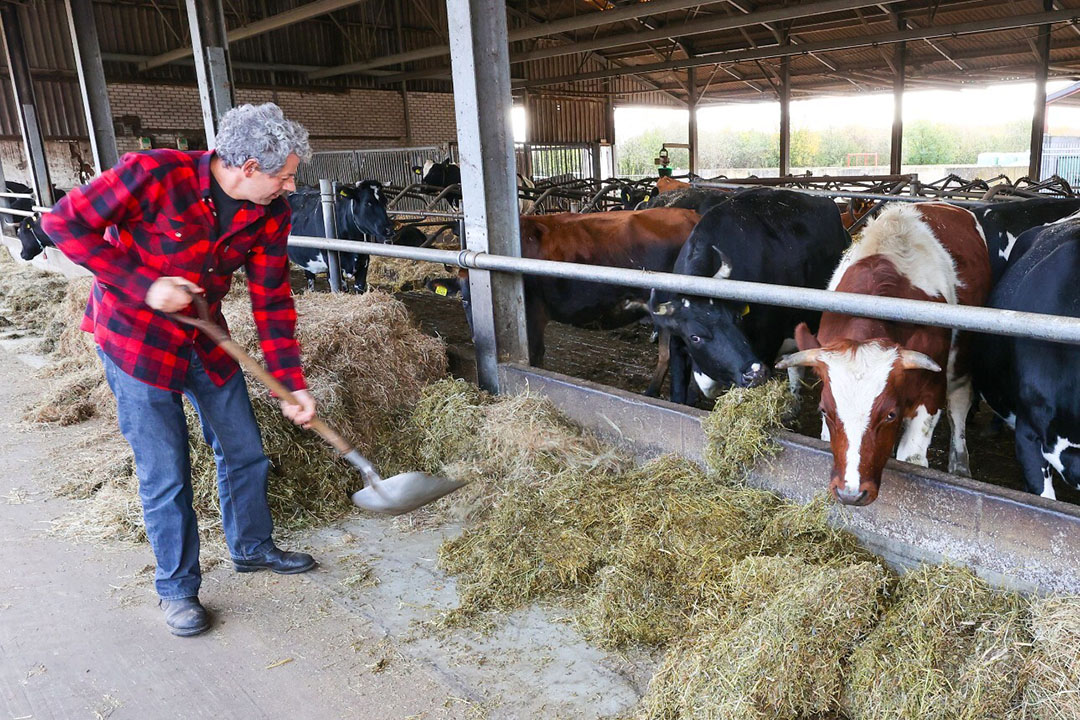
(432, 118)
(337, 121)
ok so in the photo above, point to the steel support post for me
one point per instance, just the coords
(482, 105)
(1038, 118)
(95, 95)
(206, 19)
(785, 117)
(896, 143)
(333, 259)
(23, 87)
(692, 129)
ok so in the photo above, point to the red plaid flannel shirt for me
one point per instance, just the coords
(152, 216)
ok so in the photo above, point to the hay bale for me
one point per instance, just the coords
(776, 650)
(949, 647)
(1053, 670)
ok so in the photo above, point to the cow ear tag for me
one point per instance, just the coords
(342, 193)
(745, 310)
(440, 290)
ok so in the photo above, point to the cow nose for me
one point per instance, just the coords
(755, 375)
(850, 498)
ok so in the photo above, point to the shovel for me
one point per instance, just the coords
(395, 495)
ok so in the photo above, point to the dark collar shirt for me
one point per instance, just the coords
(153, 215)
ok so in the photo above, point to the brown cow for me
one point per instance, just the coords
(639, 239)
(666, 185)
(878, 375)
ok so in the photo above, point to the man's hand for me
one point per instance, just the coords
(300, 414)
(171, 294)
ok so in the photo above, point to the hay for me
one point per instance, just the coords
(365, 362)
(28, 295)
(949, 647)
(394, 275)
(776, 650)
(1053, 670)
(739, 429)
(637, 549)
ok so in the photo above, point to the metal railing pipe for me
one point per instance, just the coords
(1037, 326)
(21, 213)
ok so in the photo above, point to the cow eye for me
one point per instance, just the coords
(695, 338)
(891, 416)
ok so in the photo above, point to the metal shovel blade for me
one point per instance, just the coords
(403, 493)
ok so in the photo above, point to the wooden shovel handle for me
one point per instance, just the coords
(213, 331)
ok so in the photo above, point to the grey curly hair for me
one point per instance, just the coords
(260, 132)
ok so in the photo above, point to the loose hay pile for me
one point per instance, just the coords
(1053, 672)
(364, 360)
(637, 549)
(776, 649)
(394, 275)
(27, 295)
(948, 647)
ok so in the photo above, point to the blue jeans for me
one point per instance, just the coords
(152, 420)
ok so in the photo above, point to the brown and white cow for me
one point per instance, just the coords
(883, 379)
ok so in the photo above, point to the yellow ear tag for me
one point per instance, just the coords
(342, 193)
(745, 310)
(440, 290)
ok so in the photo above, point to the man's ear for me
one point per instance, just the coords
(250, 166)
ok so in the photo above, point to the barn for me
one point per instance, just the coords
(501, 426)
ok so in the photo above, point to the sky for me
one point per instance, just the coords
(985, 106)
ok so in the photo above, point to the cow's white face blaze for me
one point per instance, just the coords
(860, 408)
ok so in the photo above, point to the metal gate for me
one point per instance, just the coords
(390, 166)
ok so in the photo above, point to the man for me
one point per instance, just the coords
(161, 225)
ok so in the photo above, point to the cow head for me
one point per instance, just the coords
(631, 197)
(32, 238)
(448, 287)
(362, 211)
(862, 404)
(712, 332)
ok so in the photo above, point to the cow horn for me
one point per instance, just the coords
(666, 308)
(911, 360)
(803, 357)
(725, 265)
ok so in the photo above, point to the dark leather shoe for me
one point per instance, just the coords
(280, 561)
(185, 616)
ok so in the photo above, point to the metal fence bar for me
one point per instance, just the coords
(1037, 326)
(21, 213)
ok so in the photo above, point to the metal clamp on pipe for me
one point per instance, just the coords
(467, 259)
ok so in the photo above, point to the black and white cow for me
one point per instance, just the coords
(410, 236)
(361, 210)
(700, 200)
(1031, 383)
(1003, 222)
(760, 235)
(32, 239)
(441, 175)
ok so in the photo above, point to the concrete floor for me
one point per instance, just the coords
(81, 635)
